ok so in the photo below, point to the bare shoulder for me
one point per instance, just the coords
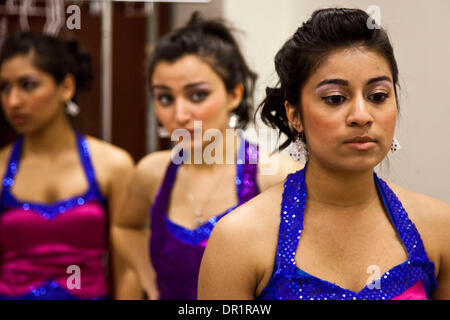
(254, 226)
(154, 164)
(274, 168)
(108, 154)
(421, 206)
(257, 214)
(151, 169)
(431, 217)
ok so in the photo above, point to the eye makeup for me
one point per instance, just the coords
(25, 83)
(28, 84)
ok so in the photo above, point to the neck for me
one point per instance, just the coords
(340, 189)
(227, 144)
(56, 136)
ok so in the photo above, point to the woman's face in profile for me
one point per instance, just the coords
(29, 97)
(189, 90)
(350, 109)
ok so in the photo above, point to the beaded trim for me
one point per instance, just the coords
(289, 282)
(51, 211)
(51, 290)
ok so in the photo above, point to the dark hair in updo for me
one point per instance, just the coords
(326, 31)
(213, 42)
(55, 56)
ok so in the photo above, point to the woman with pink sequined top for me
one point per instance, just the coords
(60, 189)
(333, 230)
(199, 80)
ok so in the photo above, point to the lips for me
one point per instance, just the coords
(18, 118)
(361, 143)
(361, 139)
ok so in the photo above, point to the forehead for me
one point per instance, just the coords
(352, 64)
(19, 66)
(187, 69)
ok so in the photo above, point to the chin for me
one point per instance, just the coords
(362, 164)
(22, 130)
(351, 164)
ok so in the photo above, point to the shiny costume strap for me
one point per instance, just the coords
(50, 211)
(293, 210)
(291, 226)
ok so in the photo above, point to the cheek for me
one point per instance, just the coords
(386, 122)
(44, 102)
(160, 112)
(165, 116)
(321, 129)
(211, 110)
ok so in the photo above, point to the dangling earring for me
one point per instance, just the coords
(395, 145)
(162, 132)
(233, 121)
(72, 108)
(298, 149)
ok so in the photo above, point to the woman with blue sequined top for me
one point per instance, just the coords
(60, 189)
(198, 79)
(333, 230)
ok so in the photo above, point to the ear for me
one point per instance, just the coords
(235, 97)
(68, 87)
(293, 116)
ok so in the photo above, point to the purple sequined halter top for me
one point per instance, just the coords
(176, 252)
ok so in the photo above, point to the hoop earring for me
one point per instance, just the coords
(298, 149)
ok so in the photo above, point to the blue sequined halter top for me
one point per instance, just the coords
(412, 279)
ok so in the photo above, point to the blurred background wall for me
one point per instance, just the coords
(418, 30)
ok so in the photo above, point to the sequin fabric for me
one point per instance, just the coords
(175, 251)
(40, 241)
(289, 282)
(50, 211)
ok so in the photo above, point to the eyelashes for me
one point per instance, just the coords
(167, 99)
(3, 86)
(199, 96)
(27, 85)
(336, 99)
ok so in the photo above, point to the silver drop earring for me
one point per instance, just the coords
(395, 145)
(233, 121)
(163, 133)
(72, 108)
(298, 149)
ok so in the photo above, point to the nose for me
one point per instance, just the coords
(182, 112)
(359, 114)
(13, 98)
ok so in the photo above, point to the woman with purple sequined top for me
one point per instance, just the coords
(198, 81)
(333, 230)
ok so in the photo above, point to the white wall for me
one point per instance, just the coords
(183, 11)
(419, 33)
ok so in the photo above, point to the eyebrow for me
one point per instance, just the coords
(345, 82)
(377, 79)
(188, 86)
